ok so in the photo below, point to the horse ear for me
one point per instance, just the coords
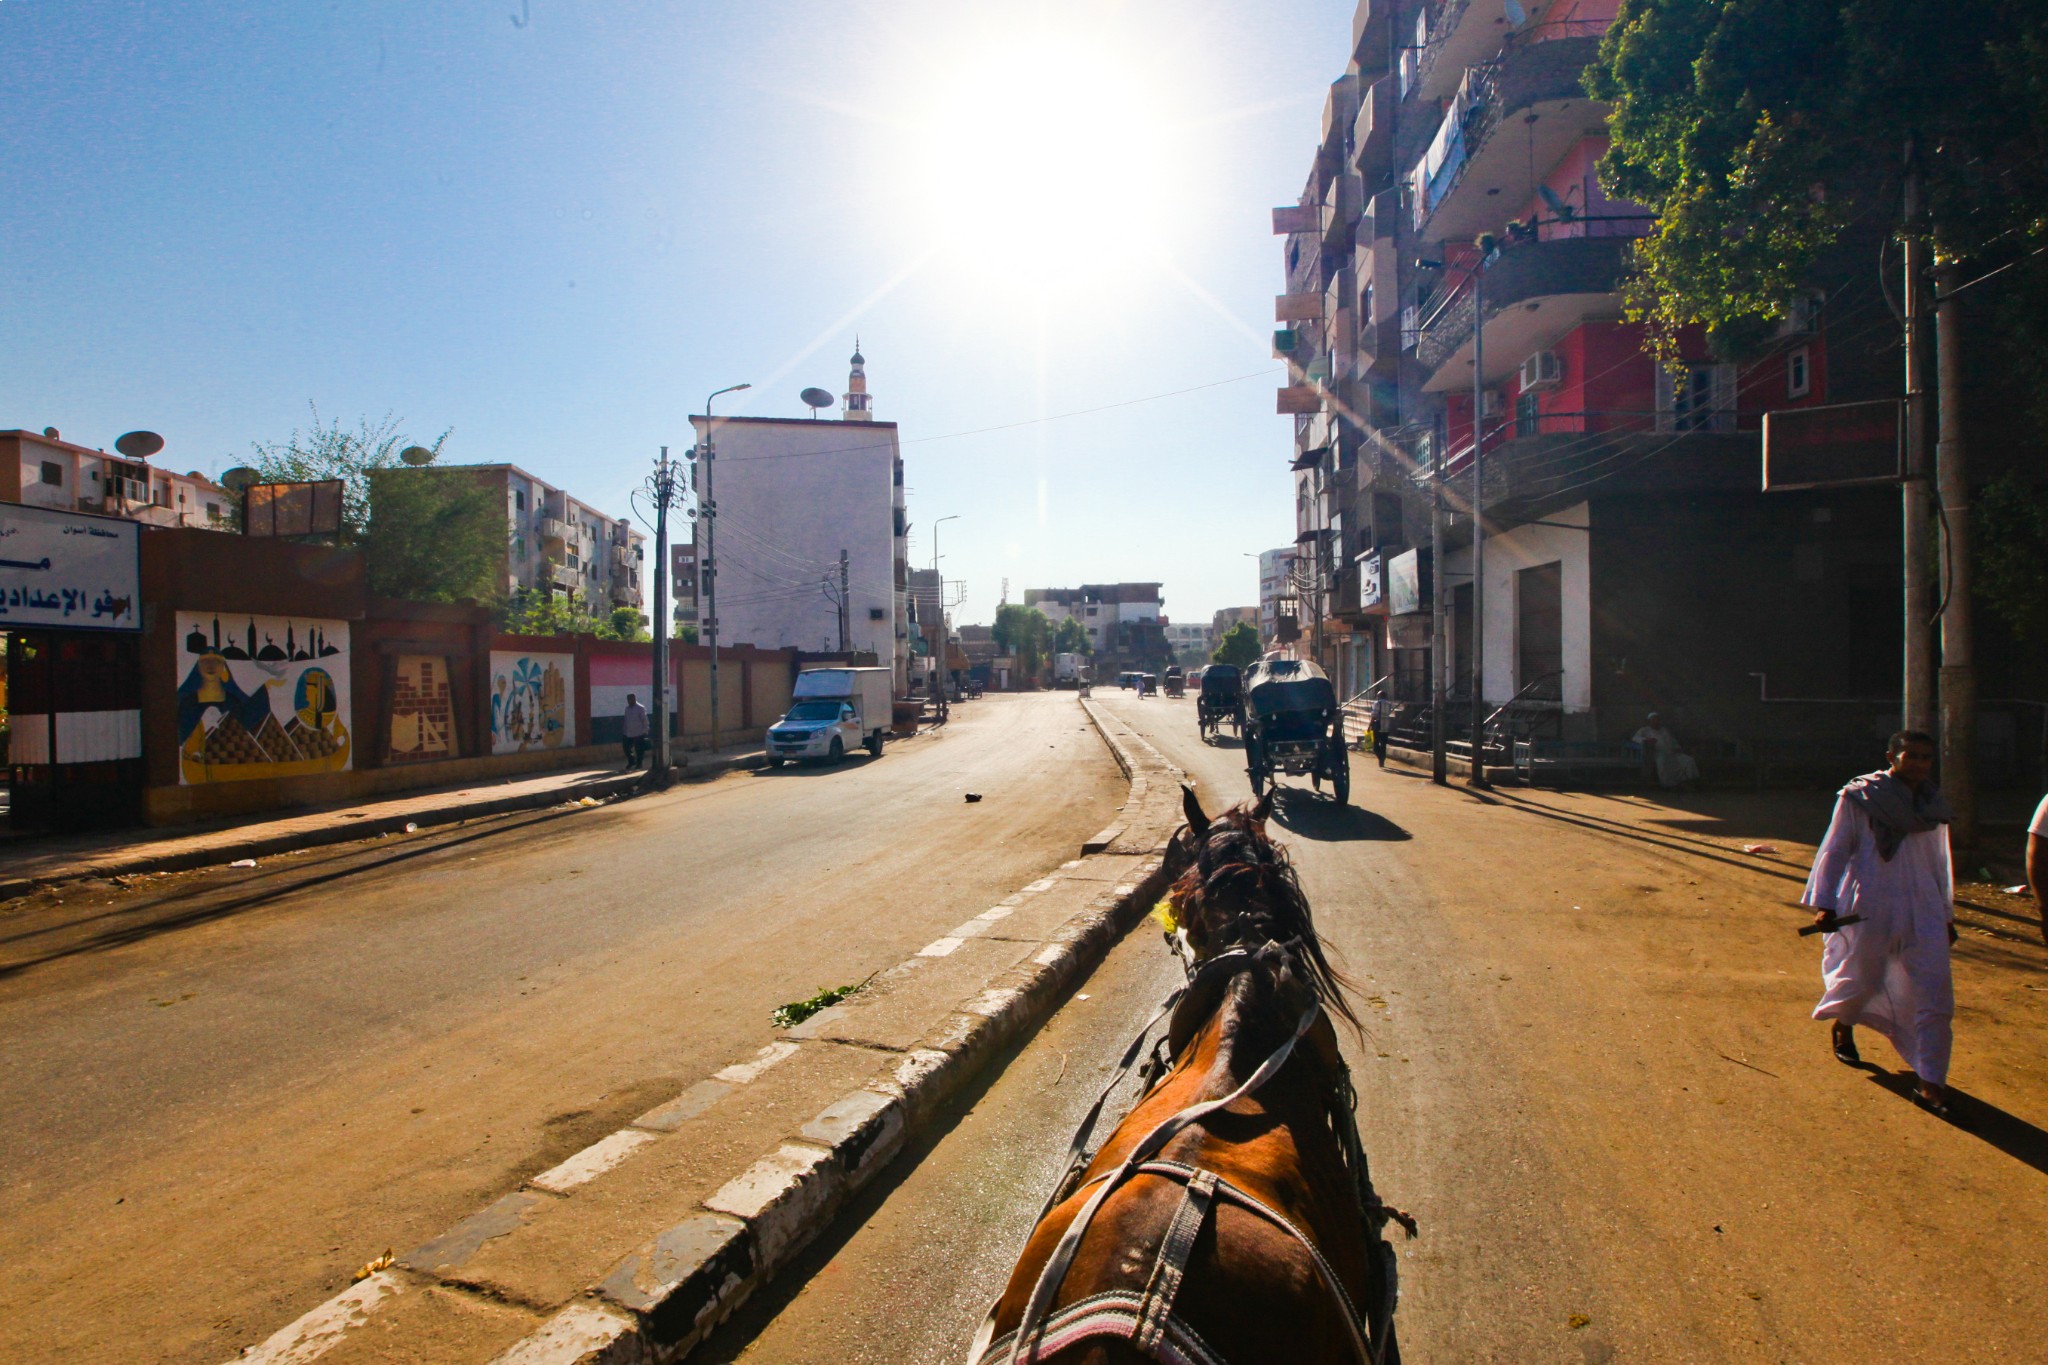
(1263, 811)
(1198, 823)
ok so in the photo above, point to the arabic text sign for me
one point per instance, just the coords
(70, 572)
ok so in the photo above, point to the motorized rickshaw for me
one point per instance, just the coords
(1221, 699)
(1293, 725)
(1176, 682)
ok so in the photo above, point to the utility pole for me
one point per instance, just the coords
(661, 485)
(845, 607)
(1439, 665)
(1917, 496)
(1958, 654)
(707, 517)
(1486, 249)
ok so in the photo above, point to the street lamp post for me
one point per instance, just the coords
(939, 608)
(1487, 249)
(707, 517)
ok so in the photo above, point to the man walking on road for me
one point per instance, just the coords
(2037, 861)
(1380, 712)
(1885, 863)
(633, 731)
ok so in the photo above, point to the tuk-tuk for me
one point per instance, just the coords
(1176, 682)
(1293, 725)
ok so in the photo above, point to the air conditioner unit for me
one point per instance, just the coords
(1285, 340)
(1489, 403)
(1802, 316)
(1542, 370)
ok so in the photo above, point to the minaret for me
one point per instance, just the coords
(857, 400)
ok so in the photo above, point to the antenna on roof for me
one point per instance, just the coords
(416, 456)
(139, 445)
(815, 399)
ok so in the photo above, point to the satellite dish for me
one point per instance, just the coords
(139, 445)
(416, 456)
(239, 478)
(815, 399)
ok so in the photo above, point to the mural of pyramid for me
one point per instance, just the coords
(231, 743)
(307, 741)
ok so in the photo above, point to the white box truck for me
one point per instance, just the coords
(1070, 670)
(833, 709)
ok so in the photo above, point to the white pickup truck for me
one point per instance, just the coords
(833, 709)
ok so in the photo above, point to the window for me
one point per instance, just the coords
(53, 472)
(874, 613)
(1798, 374)
(1527, 417)
(519, 547)
(1696, 398)
(213, 510)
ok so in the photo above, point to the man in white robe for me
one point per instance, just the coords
(1675, 767)
(1886, 860)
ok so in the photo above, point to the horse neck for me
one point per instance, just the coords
(1248, 1028)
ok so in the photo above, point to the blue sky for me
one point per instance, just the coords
(554, 236)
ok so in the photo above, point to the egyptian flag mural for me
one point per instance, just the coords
(262, 696)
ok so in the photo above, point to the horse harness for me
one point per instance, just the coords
(1147, 1319)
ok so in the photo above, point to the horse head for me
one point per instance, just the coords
(1239, 892)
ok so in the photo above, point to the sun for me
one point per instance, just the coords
(1040, 156)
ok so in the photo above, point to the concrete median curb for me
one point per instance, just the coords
(660, 1300)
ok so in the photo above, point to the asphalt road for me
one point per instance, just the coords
(222, 1092)
(1589, 1072)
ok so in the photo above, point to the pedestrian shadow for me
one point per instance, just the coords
(1315, 817)
(1980, 1118)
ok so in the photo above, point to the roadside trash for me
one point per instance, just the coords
(973, 797)
(588, 801)
(1082, 996)
(1759, 848)
(411, 828)
(2021, 890)
(370, 1268)
(243, 862)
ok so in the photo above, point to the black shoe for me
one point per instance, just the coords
(1845, 1047)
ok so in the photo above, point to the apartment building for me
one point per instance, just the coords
(1191, 642)
(1124, 621)
(1452, 213)
(558, 543)
(41, 469)
(1277, 596)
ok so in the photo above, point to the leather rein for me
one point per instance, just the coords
(1148, 1319)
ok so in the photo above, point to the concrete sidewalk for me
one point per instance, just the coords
(30, 861)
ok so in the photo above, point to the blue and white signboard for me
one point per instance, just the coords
(63, 571)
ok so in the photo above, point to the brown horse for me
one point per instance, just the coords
(1230, 1217)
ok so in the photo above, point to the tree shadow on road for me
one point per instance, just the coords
(1980, 1118)
(1310, 816)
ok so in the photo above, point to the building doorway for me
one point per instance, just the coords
(1539, 632)
(74, 703)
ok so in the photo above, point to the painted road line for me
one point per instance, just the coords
(745, 1073)
(592, 1162)
(321, 1330)
(942, 947)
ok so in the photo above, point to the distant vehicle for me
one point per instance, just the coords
(1176, 682)
(831, 710)
(1128, 680)
(1294, 725)
(1070, 670)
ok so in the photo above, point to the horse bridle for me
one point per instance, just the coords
(1148, 1319)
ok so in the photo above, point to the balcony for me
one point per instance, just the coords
(1376, 223)
(1372, 133)
(555, 531)
(1340, 207)
(1298, 307)
(1372, 46)
(1297, 218)
(1535, 293)
(1340, 107)
(1465, 33)
(1472, 178)
(1296, 399)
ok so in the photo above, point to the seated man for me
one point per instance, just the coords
(1674, 766)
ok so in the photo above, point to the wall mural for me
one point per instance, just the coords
(533, 704)
(422, 710)
(261, 696)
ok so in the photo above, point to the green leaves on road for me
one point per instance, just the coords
(795, 1012)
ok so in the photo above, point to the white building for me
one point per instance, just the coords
(44, 470)
(1191, 641)
(1122, 620)
(792, 495)
(1276, 587)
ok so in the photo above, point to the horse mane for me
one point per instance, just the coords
(1241, 891)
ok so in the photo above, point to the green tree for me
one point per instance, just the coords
(428, 535)
(625, 623)
(1024, 632)
(2012, 556)
(1238, 647)
(1071, 637)
(686, 631)
(1758, 129)
(530, 611)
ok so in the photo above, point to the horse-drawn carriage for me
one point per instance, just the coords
(1294, 725)
(1220, 699)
